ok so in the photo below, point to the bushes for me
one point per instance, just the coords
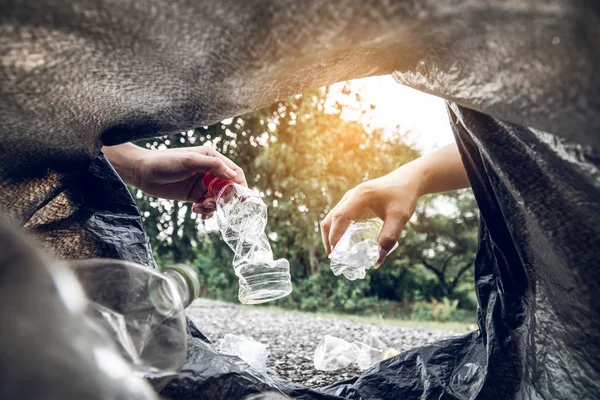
(327, 293)
(440, 311)
(324, 292)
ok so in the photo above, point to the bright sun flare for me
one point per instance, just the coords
(422, 116)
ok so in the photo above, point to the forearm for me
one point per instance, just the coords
(123, 158)
(437, 172)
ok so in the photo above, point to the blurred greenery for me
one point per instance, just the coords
(302, 157)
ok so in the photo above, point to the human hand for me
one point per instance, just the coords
(393, 198)
(176, 174)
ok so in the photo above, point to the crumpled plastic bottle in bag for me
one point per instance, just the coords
(372, 349)
(357, 250)
(334, 353)
(252, 352)
(142, 309)
(49, 348)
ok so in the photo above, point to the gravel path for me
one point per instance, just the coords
(292, 338)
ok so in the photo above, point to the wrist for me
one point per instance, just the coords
(126, 159)
(424, 178)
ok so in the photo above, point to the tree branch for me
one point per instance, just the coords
(464, 269)
(437, 272)
(446, 264)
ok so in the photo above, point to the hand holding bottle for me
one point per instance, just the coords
(393, 197)
(242, 218)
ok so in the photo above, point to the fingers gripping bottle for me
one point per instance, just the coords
(242, 217)
(358, 250)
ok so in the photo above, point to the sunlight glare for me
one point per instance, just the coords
(421, 116)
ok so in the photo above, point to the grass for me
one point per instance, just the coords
(406, 323)
(460, 327)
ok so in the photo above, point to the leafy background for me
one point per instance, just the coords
(302, 157)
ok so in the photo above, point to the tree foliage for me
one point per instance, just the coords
(436, 252)
(302, 156)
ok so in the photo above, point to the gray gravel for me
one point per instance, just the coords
(292, 337)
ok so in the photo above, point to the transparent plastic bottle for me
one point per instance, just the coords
(333, 353)
(142, 310)
(242, 217)
(49, 348)
(252, 352)
(358, 250)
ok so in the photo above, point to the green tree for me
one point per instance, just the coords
(312, 159)
(436, 252)
(302, 156)
(450, 240)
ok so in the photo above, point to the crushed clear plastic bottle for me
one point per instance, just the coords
(334, 353)
(252, 352)
(358, 250)
(371, 350)
(242, 217)
(141, 309)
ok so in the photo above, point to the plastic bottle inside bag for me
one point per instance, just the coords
(358, 250)
(252, 352)
(50, 348)
(242, 217)
(334, 353)
(142, 309)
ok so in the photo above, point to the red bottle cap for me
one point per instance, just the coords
(213, 184)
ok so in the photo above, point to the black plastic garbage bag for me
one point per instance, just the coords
(531, 66)
(94, 216)
(536, 279)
